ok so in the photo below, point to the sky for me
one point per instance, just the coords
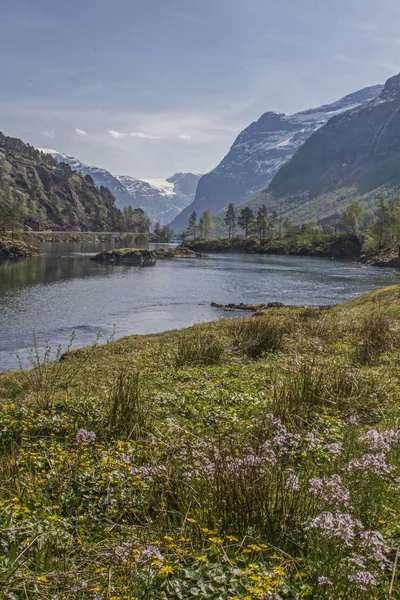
(152, 87)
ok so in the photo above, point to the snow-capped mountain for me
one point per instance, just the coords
(161, 199)
(360, 149)
(260, 151)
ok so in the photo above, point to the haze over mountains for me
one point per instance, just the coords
(260, 151)
(161, 199)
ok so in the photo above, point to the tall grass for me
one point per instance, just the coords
(198, 347)
(258, 335)
(374, 337)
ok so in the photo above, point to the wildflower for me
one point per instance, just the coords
(362, 579)
(331, 490)
(381, 441)
(201, 559)
(292, 483)
(372, 464)
(165, 571)
(216, 540)
(335, 449)
(373, 540)
(85, 437)
(340, 525)
(324, 580)
(42, 578)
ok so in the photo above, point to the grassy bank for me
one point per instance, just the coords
(244, 459)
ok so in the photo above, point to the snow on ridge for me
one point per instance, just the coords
(162, 185)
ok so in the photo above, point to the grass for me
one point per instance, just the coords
(247, 459)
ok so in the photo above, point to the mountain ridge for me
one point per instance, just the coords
(47, 194)
(260, 150)
(359, 148)
(161, 199)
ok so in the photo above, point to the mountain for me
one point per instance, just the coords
(161, 199)
(100, 176)
(49, 195)
(260, 150)
(359, 149)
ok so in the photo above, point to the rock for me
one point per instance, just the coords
(246, 307)
(180, 252)
(16, 249)
(127, 256)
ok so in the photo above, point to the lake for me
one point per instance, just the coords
(64, 292)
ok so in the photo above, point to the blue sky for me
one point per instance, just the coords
(151, 87)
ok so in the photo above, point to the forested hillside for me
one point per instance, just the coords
(38, 193)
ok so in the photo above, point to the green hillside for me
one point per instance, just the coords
(37, 192)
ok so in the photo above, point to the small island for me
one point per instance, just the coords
(143, 258)
(13, 249)
(127, 256)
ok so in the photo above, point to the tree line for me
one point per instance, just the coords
(380, 226)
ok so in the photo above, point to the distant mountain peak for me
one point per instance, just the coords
(161, 199)
(357, 149)
(261, 150)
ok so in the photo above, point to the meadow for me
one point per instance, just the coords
(253, 458)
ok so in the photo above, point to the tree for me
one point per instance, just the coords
(288, 226)
(352, 216)
(192, 224)
(230, 220)
(246, 220)
(382, 221)
(262, 221)
(13, 210)
(206, 224)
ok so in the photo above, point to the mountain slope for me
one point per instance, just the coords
(50, 195)
(161, 199)
(260, 150)
(360, 148)
(100, 176)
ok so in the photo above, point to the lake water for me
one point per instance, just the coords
(64, 292)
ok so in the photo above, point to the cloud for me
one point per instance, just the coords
(49, 133)
(117, 135)
(80, 132)
(144, 136)
(182, 136)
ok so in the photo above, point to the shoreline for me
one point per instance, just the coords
(346, 248)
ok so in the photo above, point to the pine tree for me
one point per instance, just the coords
(246, 220)
(192, 224)
(230, 220)
(206, 224)
(262, 221)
